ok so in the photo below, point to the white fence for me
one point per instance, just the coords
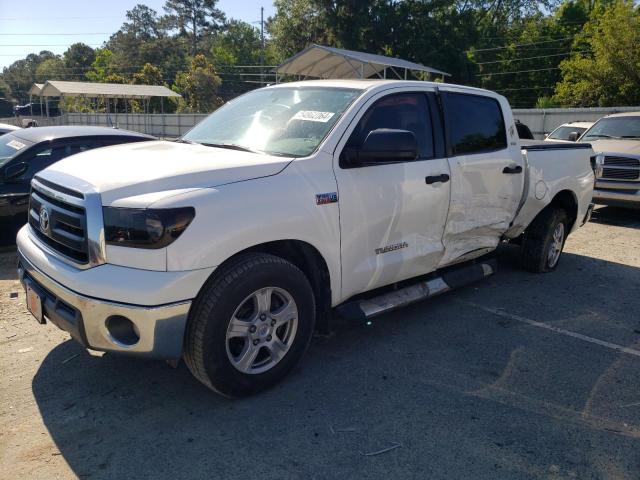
(540, 121)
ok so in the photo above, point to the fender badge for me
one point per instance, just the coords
(391, 248)
(325, 198)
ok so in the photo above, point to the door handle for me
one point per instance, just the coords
(512, 169)
(436, 179)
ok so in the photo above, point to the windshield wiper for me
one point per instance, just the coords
(633, 137)
(230, 146)
(601, 135)
(182, 140)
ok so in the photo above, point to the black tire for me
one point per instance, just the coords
(206, 336)
(538, 240)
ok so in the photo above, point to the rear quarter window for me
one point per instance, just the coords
(475, 124)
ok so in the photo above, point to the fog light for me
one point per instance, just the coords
(122, 330)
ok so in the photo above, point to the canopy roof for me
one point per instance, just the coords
(57, 88)
(36, 89)
(319, 61)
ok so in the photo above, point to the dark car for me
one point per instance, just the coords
(6, 128)
(25, 152)
(35, 109)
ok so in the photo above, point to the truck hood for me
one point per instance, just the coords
(139, 169)
(616, 146)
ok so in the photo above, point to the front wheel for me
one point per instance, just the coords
(250, 325)
(544, 240)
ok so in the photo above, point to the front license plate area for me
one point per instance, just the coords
(34, 304)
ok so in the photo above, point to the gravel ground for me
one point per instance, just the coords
(521, 376)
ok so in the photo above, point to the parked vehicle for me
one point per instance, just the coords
(36, 109)
(24, 152)
(616, 140)
(6, 128)
(230, 246)
(568, 132)
(524, 132)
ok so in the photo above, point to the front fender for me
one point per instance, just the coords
(235, 217)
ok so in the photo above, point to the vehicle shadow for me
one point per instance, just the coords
(8, 261)
(460, 392)
(620, 217)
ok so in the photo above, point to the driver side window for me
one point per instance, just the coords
(402, 111)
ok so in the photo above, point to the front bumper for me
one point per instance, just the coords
(160, 330)
(617, 193)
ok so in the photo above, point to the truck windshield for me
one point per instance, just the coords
(11, 146)
(277, 121)
(614, 127)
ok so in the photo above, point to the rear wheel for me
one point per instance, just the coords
(544, 240)
(250, 325)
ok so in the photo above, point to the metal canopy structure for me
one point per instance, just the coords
(36, 89)
(319, 61)
(58, 88)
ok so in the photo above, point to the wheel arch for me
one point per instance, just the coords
(567, 200)
(309, 260)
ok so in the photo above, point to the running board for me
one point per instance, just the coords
(459, 277)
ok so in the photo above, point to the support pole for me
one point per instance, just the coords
(262, 46)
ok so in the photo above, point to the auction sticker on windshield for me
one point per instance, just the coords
(16, 144)
(313, 116)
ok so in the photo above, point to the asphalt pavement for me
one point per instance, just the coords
(520, 376)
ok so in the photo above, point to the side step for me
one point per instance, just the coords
(371, 307)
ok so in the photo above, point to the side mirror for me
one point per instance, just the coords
(384, 146)
(573, 137)
(14, 171)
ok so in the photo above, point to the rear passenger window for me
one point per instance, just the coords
(475, 124)
(402, 111)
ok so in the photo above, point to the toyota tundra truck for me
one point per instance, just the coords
(288, 205)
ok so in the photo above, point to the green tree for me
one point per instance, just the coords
(296, 25)
(199, 86)
(239, 43)
(192, 17)
(607, 73)
(21, 74)
(77, 60)
(152, 75)
(142, 23)
(102, 67)
(51, 69)
(5, 99)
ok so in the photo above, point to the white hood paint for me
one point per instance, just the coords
(616, 146)
(137, 169)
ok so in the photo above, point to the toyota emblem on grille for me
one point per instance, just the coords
(44, 220)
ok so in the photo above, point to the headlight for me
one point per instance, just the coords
(597, 162)
(145, 228)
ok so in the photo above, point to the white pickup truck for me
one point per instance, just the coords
(231, 245)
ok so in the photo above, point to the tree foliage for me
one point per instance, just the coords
(605, 70)
(199, 86)
(554, 52)
(193, 17)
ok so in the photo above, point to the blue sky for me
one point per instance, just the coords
(88, 21)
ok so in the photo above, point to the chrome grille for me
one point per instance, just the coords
(63, 226)
(621, 168)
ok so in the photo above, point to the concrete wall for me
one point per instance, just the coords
(540, 121)
(543, 121)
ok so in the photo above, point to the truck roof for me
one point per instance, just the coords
(624, 114)
(368, 84)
